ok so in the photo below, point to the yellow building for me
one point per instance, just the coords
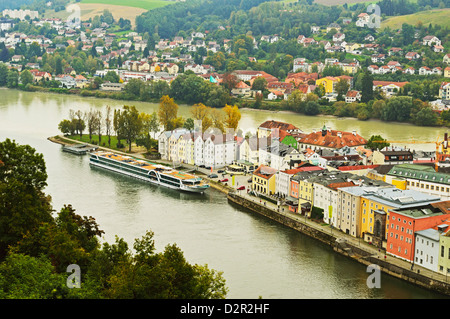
(328, 83)
(444, 253)
(264, 180)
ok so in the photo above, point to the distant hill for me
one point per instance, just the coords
(437, 16)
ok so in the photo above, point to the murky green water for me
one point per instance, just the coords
(258, 257)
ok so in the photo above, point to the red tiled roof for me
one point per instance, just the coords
(356, 167)
(342, 184)
(280, 125)
(332, 140)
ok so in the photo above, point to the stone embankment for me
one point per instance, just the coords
(346, 245)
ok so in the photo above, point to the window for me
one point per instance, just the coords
(442, 251)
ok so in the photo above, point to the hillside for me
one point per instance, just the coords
(119, 9)
(437, 16)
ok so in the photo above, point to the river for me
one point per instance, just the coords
(257, 256)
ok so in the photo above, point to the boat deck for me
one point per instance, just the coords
(147, 165)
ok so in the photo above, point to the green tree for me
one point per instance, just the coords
(366, 88)
(26, 277)
(12, 80)
(377, 142)
(312, 108)
(23, 204)
(3, 74)
(129, 124)
(66, 127)
(26, 77)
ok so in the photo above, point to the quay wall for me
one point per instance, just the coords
(364, 256)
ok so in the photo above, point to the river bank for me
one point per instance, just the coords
(346, 245)
(102, 95)
(341, 243)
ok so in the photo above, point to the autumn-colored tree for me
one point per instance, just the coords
(201, 112)
(167, 111)
(232, 116)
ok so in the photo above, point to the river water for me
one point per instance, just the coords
(257, 256)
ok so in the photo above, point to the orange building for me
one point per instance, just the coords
(405, 222)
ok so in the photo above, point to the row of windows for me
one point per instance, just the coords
(428, 186)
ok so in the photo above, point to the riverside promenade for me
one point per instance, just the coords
(342, 243)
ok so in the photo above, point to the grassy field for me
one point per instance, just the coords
(438, 16)
(129, 9)
(142, 4)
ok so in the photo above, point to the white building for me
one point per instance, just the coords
(426, 252)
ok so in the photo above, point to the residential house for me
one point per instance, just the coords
(431, 40)
(363, 19)
(444, 91)
(241, 89)
(392, 156)
(219, 150)
(264, 180)
(338, 37)
(274, 129)
(395, 51)
(330, 139)
(352, 96)
(412, 56)
(279, 155)
(389, 88)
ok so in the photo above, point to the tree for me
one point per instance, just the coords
(201, 113)
(92, 122)
(366, 87)
(111, 76)
(312, 108)
(167, 112)
(259, 84)
(3, 74)
(66, 127)
(189, 124)
(26, 277)
(377, 142)
(26, 77)
(342, 86)
(232, 116)
(108, 124)
(12, 80)
(129, 124)
(23, 204)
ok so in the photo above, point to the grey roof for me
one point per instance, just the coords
(429, 233)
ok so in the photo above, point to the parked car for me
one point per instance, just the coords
(249, 180)
(202, 166)
(213, 176)
(241, 188)
(224, 180)
(220, 171)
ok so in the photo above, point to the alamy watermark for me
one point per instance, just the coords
(74, 19)
(74, 280)
(374, 279)
(375, 17)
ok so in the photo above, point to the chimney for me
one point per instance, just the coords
(339, 134)
(354, 132)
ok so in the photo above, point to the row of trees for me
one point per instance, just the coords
(36, 247)
(132, 126)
